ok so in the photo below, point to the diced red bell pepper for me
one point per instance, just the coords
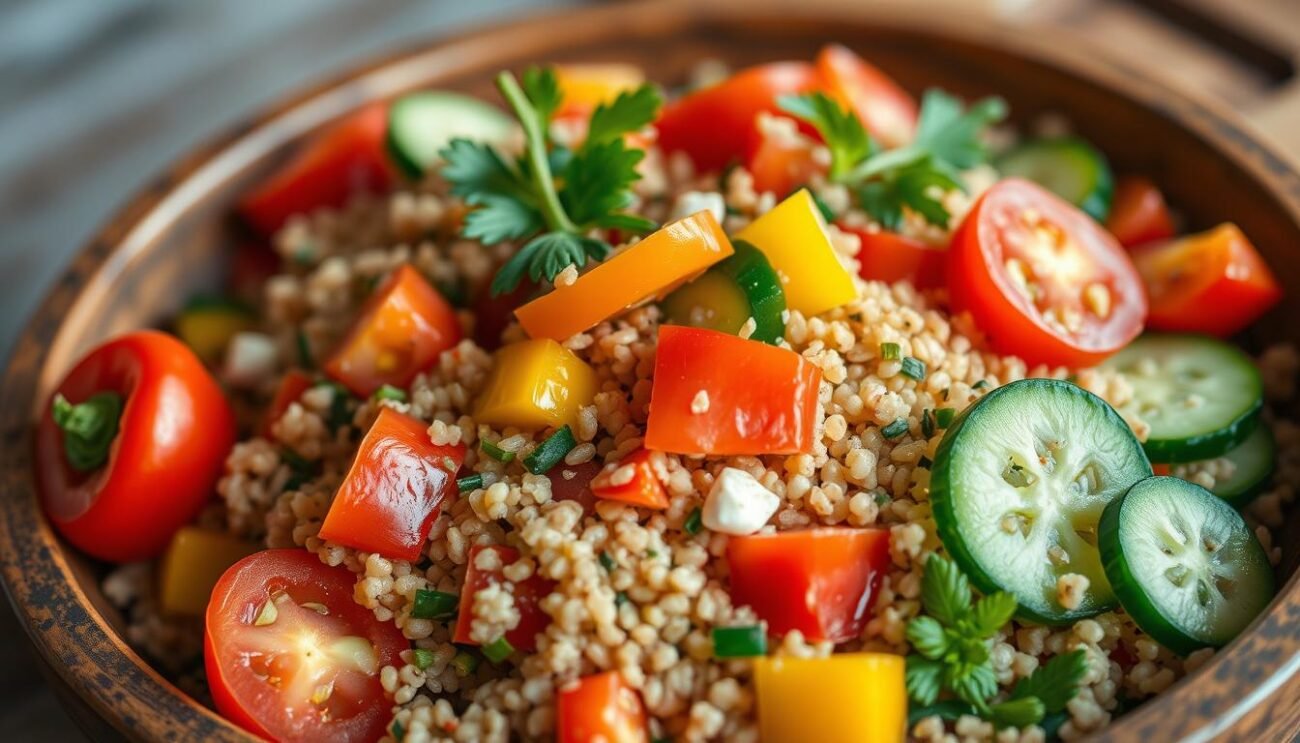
(600, 708)
(392, 493)
(292, 385)
(528, 596)
(719, 394)
(631, 480)
(574, 483)
(818, 581)
(891, 257)
(1138, 213)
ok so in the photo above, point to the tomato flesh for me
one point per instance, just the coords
(1214, 282)
(573, 482)
(885, 109)
(1138, 213)
(600, 708)
(528, 596)
(818, 581)
(1043, 280)
(292, 385)
(306, 670)
(781, 166)
(891, 258)
(639, 487)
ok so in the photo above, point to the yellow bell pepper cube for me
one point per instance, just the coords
(678, 252)
(535, 384)
(846, 698)
(585, 86)
(793, 237)
(208, 325)
(192, 565)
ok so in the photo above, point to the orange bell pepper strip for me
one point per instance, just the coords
(600, 708)
(632, 480)
(715, 393)
(651, 268)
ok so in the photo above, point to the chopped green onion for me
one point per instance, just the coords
(339, 415)
(464, 663)
(739, 642)
(914, 368)
(399, 732)
(551, 451)
(891, 351)
(652, 553)
(693, 522)
(895, 429)
(980, 384)
(607, 562)
(498, 650)
(927, 423)
(88, 427)
(620, 598)
(882, 498)
(304, 351)
(496, 452)
(423, 658)
(434, 604)
(389, 392)
(944, 416)
(470, 483)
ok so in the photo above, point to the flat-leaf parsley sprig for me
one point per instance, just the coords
(949, 140)
(551, 197)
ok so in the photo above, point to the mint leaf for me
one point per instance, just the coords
(542, 89)
(992, 613)
(945, 592)
(629, 112)
(840, 128)
(974, 685)
(927, 636)
(924, 678)
(1056, 682)
(1017, 713)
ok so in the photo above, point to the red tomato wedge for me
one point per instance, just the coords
(1043, 280)
(632, 480)
(173, 434)
(1214, 282)
(818, 581)
(344, 160)
(719, 394)
(782, 166)
(292, 385)
(885, 109)
(1138, 213)
(307, 667)
(718, 124)
(392, 493)
(399, 333)
(573, 482)
(891, 258)
(528, 596)
(600, 708)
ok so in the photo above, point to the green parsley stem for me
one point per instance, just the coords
(539, 168)
(883, 163)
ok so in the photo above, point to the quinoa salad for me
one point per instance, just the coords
(780, 406)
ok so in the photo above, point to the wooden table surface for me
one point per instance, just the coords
(98, 95)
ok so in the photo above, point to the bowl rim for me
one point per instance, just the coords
(76, 642)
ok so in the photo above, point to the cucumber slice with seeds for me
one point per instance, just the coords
(1067, 166)
(1018, 486)
(421, 124)
(1200, 396)
(742, 286)
(1251, 465)
(1184, 564)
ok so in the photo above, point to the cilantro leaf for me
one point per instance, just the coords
(843, 133)
(974, 685)
(542, 88)
(951, 135)
(476, 171)
(927, 636)
(547, 255)
(924, 679)
(597, 181)
(883, 202)
(626, 222)
(945, 592)
(1017, 713)
(1056, 682)
(992, 613)
(500, 218)
(630, 111)
(922, 186)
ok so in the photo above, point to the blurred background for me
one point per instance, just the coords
(97, 96)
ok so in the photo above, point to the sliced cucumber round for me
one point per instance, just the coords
(1018, 485)
(1200, 396)
(421, 124)
(742, 286)
(1067, 166)
(1184, 564)
(1252, 465)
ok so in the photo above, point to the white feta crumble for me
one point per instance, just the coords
(737, 504)
(696, 201)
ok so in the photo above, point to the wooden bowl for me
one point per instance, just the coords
(168, 243)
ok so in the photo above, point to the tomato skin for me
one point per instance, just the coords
(996, 230)
(1214, 282)
(643, 489)
(528, 596)
(402, 329)
(600, 707)
(819, 581)
(1138, 213)
(885, 109)
(891, 258)
(345, 159)
(173, 437)
(246, 699)
(576, 488)
(394, 489)
(780, 166)
(292, 385)
(718, 124)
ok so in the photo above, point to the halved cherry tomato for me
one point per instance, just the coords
(781, 165)
(399, 333)
(891, 257)
(600, 708)
(1138, 213)
(885, 109)
(718, 124)
(574, 483)
(1043, 280)
(392, 493)
(154, 474)
(1214, 282)
(290, 656)
(344, 160)
(528, 595)
(632, 480)
(818, 581)
(716, 393)
(292, 385)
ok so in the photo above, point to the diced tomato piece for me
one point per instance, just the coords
(528, 596)
(1214, 282)
(891, 258)
(492, 315)
(780, 165)
(574, 483)
(292, 385)
(1138, 213)
(600, 708)
(818, 581)
(632, 480)
(250, 268)
(344, 160)
(400, 332)
(392, 493)
(719, 394)
(885, 109)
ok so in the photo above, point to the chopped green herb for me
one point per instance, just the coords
(739, 642)
(607, 562)
(652, 553)
(304, 350)
(983, 383)
(823, 207)
(927, 423)
(454, 292)
(944, 416)
(398, 731)
(882, 498)
(693, 523)
(732, 211)
(551, 451)
(891, 351)
(464, 663)
(301, 470)
(339, 413)
(895, 429)
(498, 650)
(470, 483)
(422, 657)
(389, 392)
(496, 452)
(620, 598)
(434, 604)
(914, 368)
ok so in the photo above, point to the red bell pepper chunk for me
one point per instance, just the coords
(1138, 213)
(631, 480)
(574, 483)
(600, 708)
(891, 258)
(818, 581)
(392, 493)
(292, 385)
(719, 394)
(528, 596)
